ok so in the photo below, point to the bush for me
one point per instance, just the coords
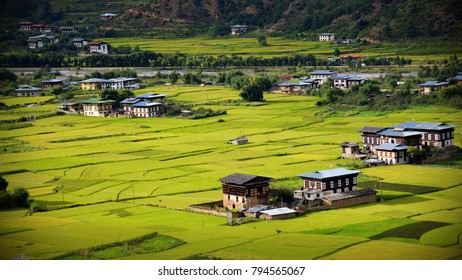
(5, 200)
(20, 197)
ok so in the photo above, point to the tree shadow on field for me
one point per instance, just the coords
(121, 213)
(412, 231)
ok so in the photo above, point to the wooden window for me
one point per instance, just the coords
(331, 184)
(347, 181)
(354, 180)
(339, 183)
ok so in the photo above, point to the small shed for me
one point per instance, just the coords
(350, 150)
(239, 141)
(278, 214)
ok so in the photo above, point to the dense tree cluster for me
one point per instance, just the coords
(19, 197)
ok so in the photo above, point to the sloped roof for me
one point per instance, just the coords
(151, 95)
(391, 147)
(323, 72)
(424, 126)
(96, 101)
(146, 104)
(244, 179)
(370, 129)
(278, 211)
(399, 133)
(130, 101)
(433, 83)
(329, 173)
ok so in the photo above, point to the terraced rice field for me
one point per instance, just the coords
(107, 180)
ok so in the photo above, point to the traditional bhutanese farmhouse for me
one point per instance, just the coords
(399, 135)
(238, 29)
(80, 42)
(392, 153)
(152, 97)
(331, 180)
(245, 190)
(351, 58)
(308, 197)
(278, 214)
(346, 82)
(25, 26)
(99, 47)
(70, 107)
(97, 107)
(26, 90)
(434, 134)
(327, 37)
(370, 138)
(115, 83)
(145, 109)
(430, 86)
(239, 141)
(37, 42)
(47, 84)
(320, 76)
(67, 30)
(338, 200)
(296, 87)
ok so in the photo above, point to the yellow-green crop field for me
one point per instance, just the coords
(278, 46)
(106, 180)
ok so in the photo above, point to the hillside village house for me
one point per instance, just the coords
(370, 138)
(26, 90)
(30, 26)
(37, 42)
(346, 82)
(68, 30)
(392, 153)
(107, 16)
(134, 107)
(320, 76)
(115, 83)
(238, 29)
(456, 79)
(430, 86)
(48, 84)
(351, 58)
(80, 42)
(331, 180)
(97, 107)
(244, 191)
(99, 47)
(152, 97)
(327, 37)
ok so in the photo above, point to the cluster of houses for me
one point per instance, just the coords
(143, 106)
(46, 39)
(324, 189)
(390, 145)
(317, 78)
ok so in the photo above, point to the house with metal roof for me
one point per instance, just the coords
(392, 153)
(151, 97)
(430, 86)
(244, 191)
(331, 180)
(47, 84)
(320, 76)
(327, 37)
(145, 109)
(239, 140)
(278, 214)
(26, 90)
(400, 136)
(99, 47)
(79, 42)
(298, 87)
(346, 82)
(97, 107)
(115, 83)
(434, 134)
(238, 29)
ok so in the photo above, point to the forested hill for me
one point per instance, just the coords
(375, 19)
(392, 20)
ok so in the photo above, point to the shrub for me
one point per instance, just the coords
(20, 197)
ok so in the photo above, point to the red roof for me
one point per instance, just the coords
(26, 23)
(96, 43)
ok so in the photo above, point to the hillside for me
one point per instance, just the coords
(384, 20)
(379, 19)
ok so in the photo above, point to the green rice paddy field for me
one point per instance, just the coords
(120, 179)
(419, 52)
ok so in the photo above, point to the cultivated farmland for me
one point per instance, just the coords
(108, 180)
